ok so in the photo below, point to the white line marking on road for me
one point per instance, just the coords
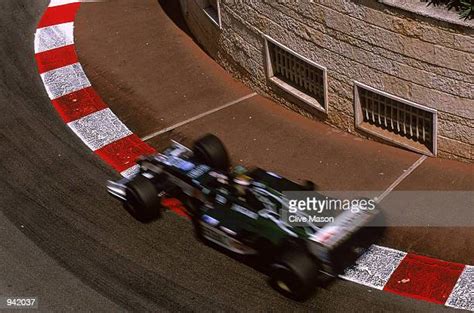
(99, 129)
(52, 37)
(64, 80)
(374, 268)
(462, 296)
(55, 3)
(401, 178)
(192, 119)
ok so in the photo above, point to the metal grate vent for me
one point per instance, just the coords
(297, 75)
(396, 119)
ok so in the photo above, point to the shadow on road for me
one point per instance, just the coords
(173, 10)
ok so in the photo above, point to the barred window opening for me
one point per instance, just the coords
(397, 120)
(297, 75)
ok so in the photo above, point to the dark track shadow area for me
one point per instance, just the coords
(173, 10)
(44, 174)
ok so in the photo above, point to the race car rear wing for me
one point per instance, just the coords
(341, 242)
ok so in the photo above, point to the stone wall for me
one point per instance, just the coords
(409, 55)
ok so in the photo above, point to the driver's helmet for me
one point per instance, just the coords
(243, 180)
(239, 170)
(241, 184)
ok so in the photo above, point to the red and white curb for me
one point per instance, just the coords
(415, 276)
(73, 97)
(82, 109)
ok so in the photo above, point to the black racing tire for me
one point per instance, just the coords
(295, 274)
(198, 232)
(266, 252)
(142, 201)
(309, 185)
(211, 151)
(193, 206)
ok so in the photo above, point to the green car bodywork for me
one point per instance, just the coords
(256, 216)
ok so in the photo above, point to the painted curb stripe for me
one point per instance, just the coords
(53, 37)
(375, 267)
(64, 80)
(78, 104)
(122, 154)
(462, 297)
(91, 120)
(99, 129)
(59, 15)
(56, 58)
(424, 278)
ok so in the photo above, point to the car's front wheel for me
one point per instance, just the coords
(211, 151)
(142, 200)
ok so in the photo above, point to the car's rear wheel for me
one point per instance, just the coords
(143, 202)
(294, 274)
(211, 151)
(309, 185)
(266, 252)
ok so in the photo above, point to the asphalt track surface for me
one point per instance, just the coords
(65, 241)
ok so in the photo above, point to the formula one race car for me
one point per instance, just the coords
(240, 211)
